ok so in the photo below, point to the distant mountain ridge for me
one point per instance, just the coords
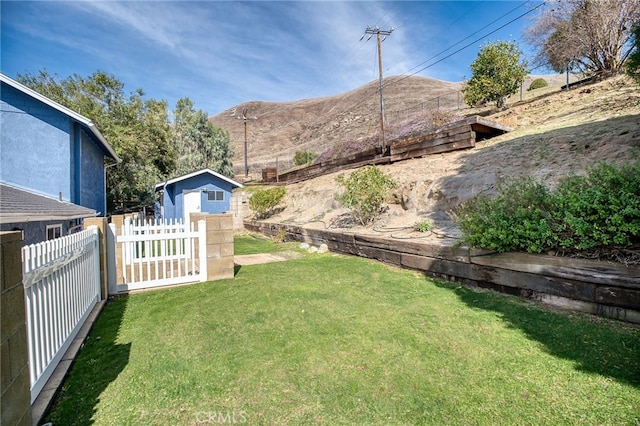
(276, 130)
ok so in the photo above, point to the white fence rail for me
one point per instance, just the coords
(62, 285)
(154, 254)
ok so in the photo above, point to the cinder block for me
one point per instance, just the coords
(11, 257)
(227, 236)
(213, 223)
(226, 249)
(18, 351)
(226, 222)
(16, 401)
(13, 312)
(5, 365)
(213, 251)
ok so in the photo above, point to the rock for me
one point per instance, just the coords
(313, 249)
(323, 248)
(304, 246)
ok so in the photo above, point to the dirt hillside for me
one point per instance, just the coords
(557, 133)
(276, 130)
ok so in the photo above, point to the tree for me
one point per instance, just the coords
(584, 35)
(633, 63)
(198, 143)
(137, 129)
(365, 190)
(498, 72)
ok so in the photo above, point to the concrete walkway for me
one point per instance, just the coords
(257, 259)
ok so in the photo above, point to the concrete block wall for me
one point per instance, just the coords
(15, 398)
(220, 263)
(239, 209)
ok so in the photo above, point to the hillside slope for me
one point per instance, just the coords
(276, 130)
(557, 133)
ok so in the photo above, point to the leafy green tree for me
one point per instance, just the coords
(198, 143)
(136, 128)
(498, 72)
(633, 63)
(365, 191)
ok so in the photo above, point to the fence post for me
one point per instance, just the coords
(220, 262)
(118, 222)
(101, 224)
(15, 397)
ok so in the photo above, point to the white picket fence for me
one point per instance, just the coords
(156, 253)
(62, 285)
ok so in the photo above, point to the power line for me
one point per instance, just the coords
(467, 45)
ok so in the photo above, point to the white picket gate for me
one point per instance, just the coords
(154, 254)
(61, 280)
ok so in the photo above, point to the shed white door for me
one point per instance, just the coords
(190, 203)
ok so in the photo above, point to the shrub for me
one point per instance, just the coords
(301, 158)
(423, 226)
(517, 219)
(365, 191)
(600, 209)
(263, 201)
(538, 83)
(583, 213)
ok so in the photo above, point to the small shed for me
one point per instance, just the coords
(203, 191)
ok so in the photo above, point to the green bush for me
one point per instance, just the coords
(423, 226)
(365, 190)
(263, 201)
(301, 158)
(582, 213)
(517, 219)
(600, 209)
(538, 83)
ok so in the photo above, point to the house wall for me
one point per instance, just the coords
(91, 171)
(36, 232)
(44, 151)
(36, 146)
(173, 195)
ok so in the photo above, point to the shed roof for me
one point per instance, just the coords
(63, 109)
(199, 172)
(18, 206)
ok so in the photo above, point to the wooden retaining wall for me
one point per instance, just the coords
(459, 135)
(608, 290)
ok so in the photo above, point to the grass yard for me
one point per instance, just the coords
(329, 339)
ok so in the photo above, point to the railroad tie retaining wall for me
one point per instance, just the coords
(601, 288)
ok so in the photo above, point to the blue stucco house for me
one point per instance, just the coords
(203, 191)
(52, 165)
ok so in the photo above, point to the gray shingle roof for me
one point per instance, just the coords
(18, 205)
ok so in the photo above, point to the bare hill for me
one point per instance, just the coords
(557, 133)
(276, 130)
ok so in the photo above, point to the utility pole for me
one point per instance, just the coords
(377, 31)
(245, 118)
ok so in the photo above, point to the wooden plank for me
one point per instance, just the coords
(439, 251)
(434, 150)
(426, 143)
(562, 267)
(616, 296)
(435, 138)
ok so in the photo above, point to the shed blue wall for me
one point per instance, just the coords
(173, 195)
(36, 145)
(45, 151)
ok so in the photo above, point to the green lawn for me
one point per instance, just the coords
(329, 339)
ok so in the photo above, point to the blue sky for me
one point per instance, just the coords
(222, 53)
